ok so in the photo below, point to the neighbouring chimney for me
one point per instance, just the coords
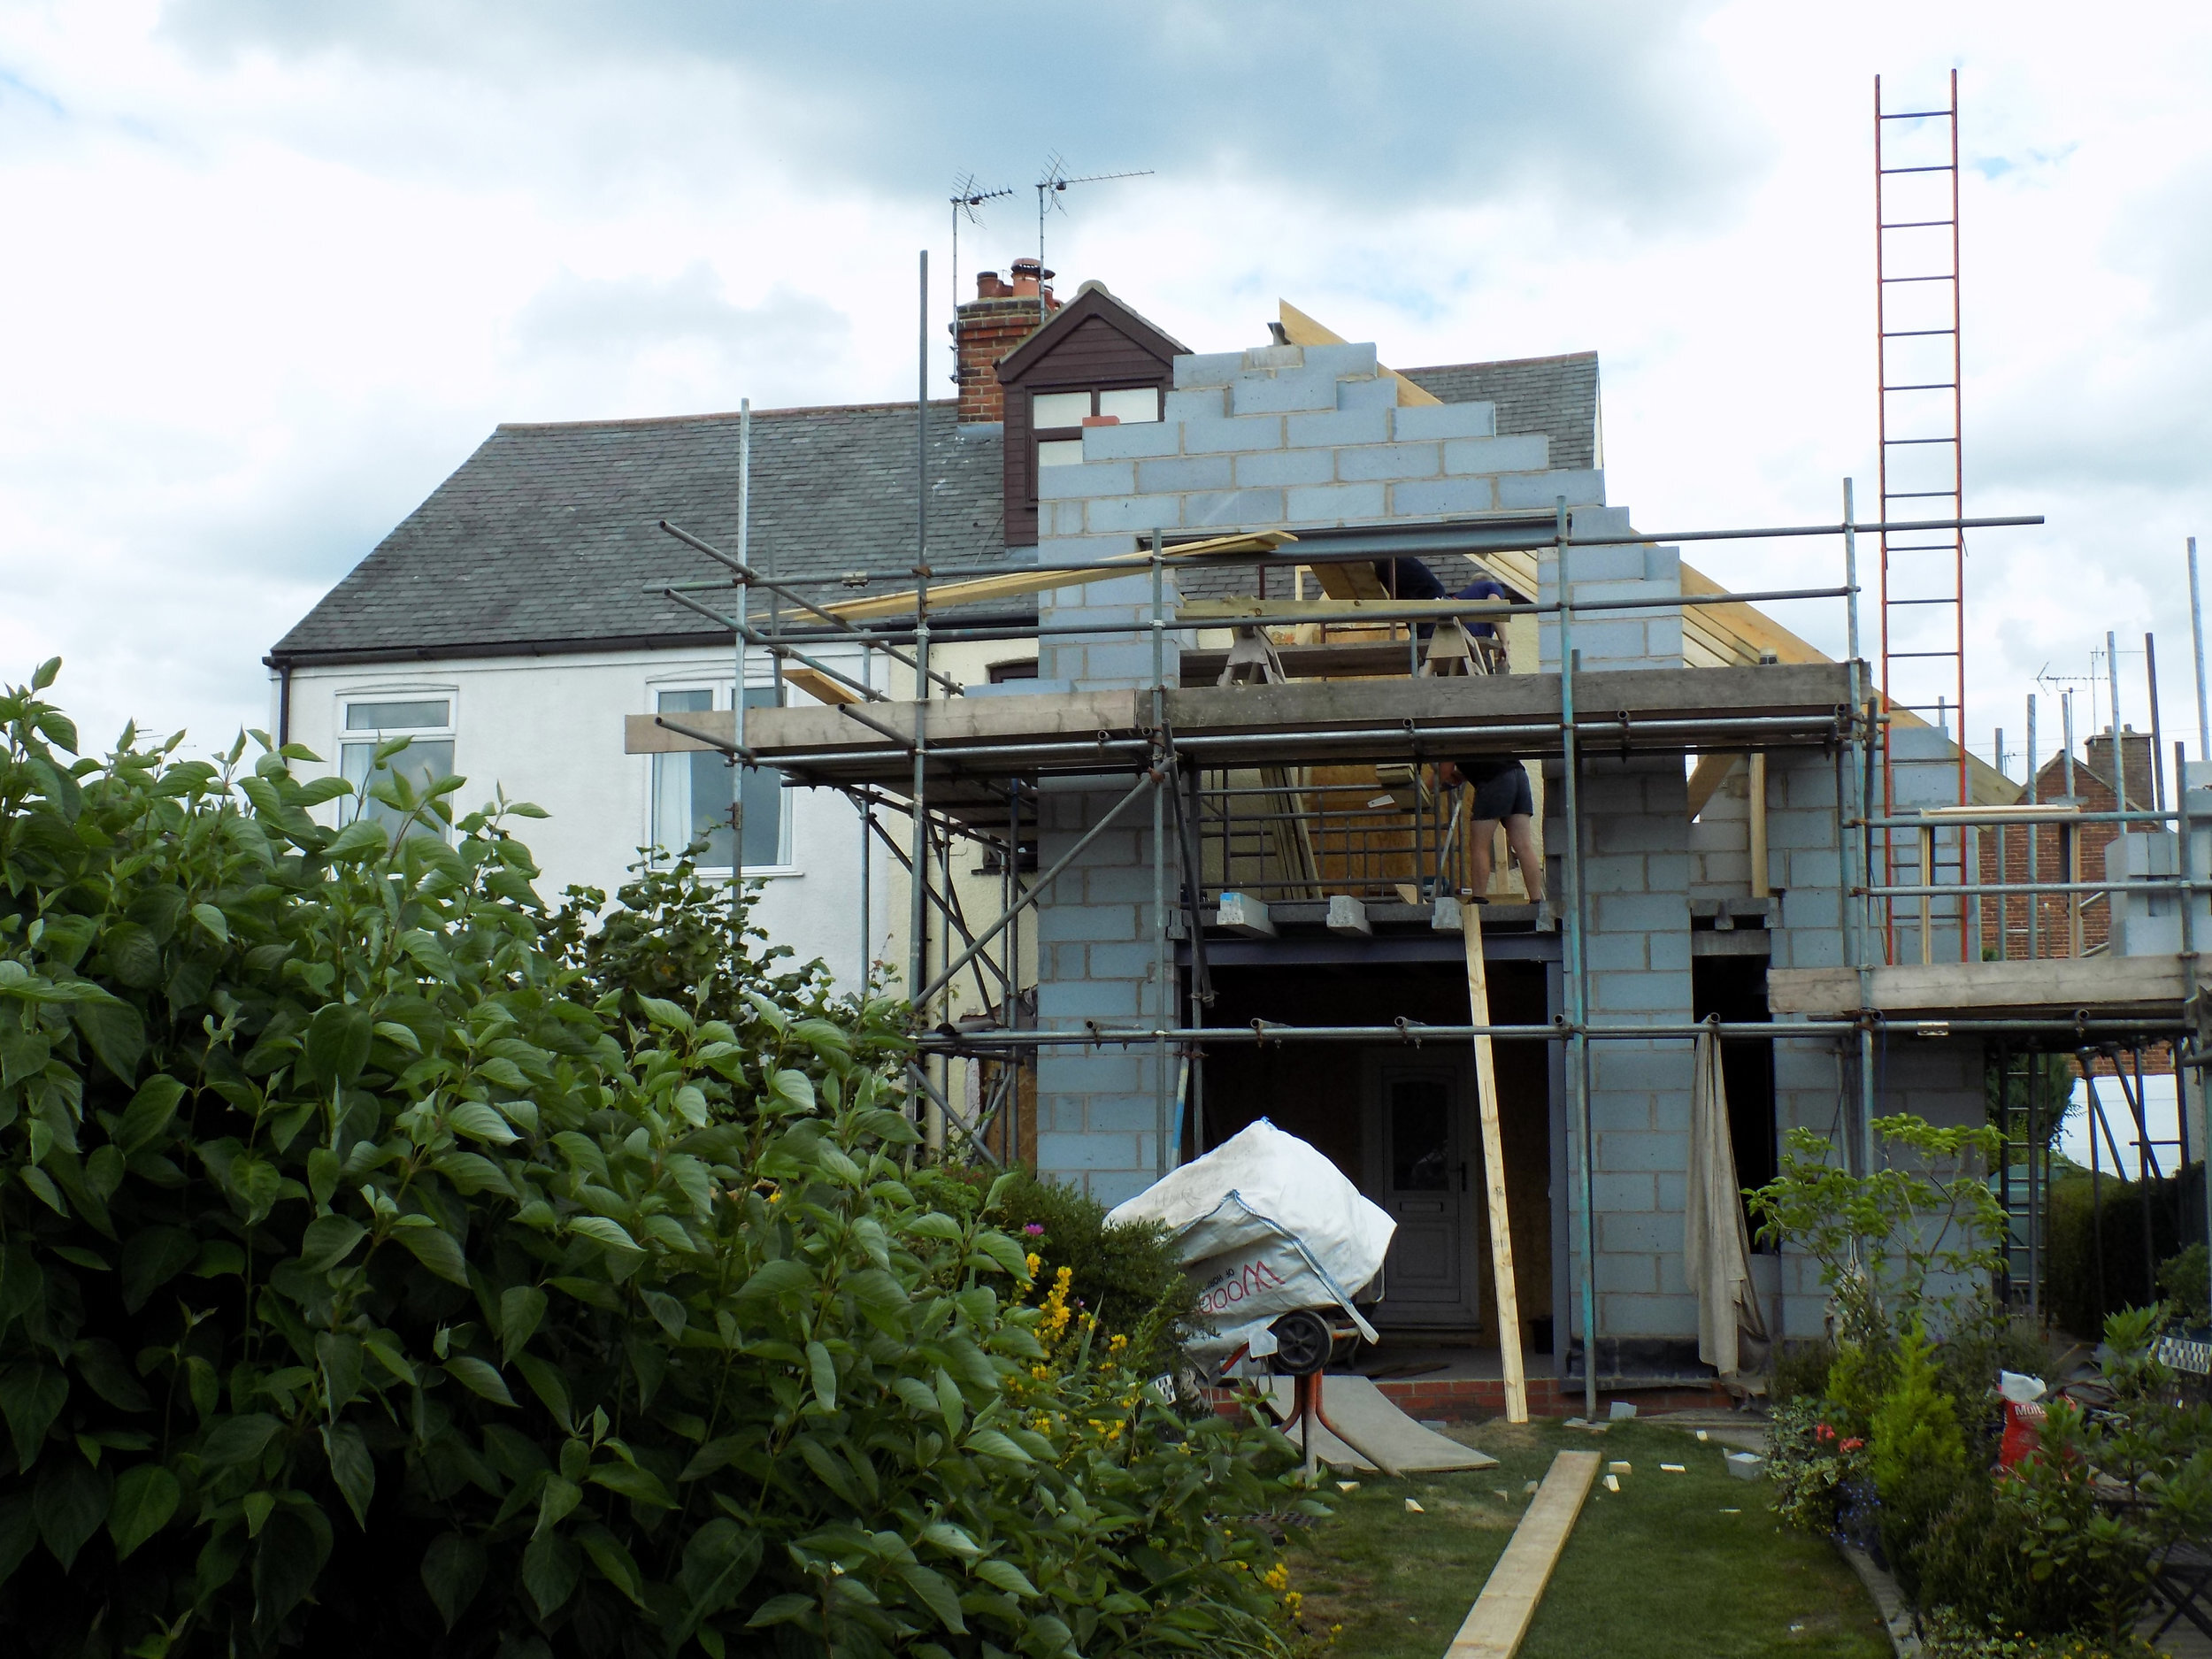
(999, 317)
(2135, 750)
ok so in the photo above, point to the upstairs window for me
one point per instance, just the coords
(692, 794)
(1056, 418)
(370, 729)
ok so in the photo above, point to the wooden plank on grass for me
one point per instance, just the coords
(1500, 1619)
(1508, 1293)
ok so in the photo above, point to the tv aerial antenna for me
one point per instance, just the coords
(1054, 184)
(967, 195)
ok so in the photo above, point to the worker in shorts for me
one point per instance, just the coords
(1501, 795)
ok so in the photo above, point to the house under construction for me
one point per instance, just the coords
(1229, 883)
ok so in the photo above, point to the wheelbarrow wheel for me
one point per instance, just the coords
(1303, 1341)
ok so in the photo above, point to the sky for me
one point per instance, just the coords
(275, 267)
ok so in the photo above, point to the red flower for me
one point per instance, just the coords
(1852, 1445)
(1822, 1432)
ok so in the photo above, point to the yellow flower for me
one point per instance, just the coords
(1034, 1261)
(1118, 1343)
(1278, 1577)
(1293, 1602)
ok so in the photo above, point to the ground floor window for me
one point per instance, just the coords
(693, 793)
(408, 737)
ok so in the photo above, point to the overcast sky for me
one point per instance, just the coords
(274, 267)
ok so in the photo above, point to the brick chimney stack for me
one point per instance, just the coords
(2135, 749)
(1000, 317)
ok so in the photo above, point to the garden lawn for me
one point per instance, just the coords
(1659, 1569)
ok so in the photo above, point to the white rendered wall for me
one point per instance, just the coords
(549, 731)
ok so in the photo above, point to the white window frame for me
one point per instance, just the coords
(350, 736)
(720, 689)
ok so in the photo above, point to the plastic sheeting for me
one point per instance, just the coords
(1716, 1244)
(1265, 1224)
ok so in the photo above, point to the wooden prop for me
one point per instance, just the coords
(1508, 1294)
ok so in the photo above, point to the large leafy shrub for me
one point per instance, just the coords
(371, 1277)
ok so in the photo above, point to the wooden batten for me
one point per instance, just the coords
(1507, 1292)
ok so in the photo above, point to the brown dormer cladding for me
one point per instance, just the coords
(1092, 344)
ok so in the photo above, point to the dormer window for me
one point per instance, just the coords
(1094, 362)
(1058, 419)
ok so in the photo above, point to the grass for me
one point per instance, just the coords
(1658, 1570)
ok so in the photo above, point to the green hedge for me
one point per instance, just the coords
(2080, 1218)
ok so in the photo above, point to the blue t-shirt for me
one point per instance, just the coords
(1484, 589)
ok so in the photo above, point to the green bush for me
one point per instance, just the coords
(1914, 1427)
(2185, 1280)
(1125, 1276)
(370, 1275)
(2096, 1264)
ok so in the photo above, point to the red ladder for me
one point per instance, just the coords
(1923, 468)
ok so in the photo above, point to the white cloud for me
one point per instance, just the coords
(276, 270)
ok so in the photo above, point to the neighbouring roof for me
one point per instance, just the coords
(1557, 396)
(547, 538)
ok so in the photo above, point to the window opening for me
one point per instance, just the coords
(426, 726)
(691, 794)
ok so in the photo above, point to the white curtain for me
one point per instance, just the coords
(1716, 1243)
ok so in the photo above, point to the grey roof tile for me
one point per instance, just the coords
(548, 534)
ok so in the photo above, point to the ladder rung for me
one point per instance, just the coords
(1924, 601)
(1917, 495)
(1916, 115)
(1925, 385)
(1900, 656)
(1920, 440)
(1915, 334)
(1945, 167)
(1946, 276)
(1915, 223)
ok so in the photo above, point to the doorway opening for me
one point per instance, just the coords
(1399, 1119)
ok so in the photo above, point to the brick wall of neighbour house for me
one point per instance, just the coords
(2094, 789)
(990, 325)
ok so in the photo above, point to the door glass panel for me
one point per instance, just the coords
(1420, 1135)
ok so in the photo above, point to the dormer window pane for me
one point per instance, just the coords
(1061, 452)
(1131, 404)
(1059, 408)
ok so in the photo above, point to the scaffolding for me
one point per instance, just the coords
(1227, 801)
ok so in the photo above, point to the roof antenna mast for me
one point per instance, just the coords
(1055, 183)
(967, 197)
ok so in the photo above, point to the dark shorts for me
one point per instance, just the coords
(1503, 795)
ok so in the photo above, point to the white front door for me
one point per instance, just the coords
(1418, 1151)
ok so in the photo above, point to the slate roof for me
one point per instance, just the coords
(546, 538)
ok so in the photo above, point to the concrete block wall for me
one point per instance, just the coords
(1282, 436)
(1939, 1079)
(1924, 767)
(1636, 867)
(1097, 1108)
(1299, 435)
(1643, 638)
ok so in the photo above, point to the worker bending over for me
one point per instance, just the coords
(1501, 794)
